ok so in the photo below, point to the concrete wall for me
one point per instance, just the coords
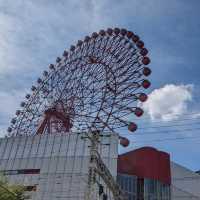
(185, 183)
(61, 158)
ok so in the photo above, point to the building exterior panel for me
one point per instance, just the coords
(185, 183)
(57, 164)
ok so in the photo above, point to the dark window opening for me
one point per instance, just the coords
(30, 188)
(21, 171)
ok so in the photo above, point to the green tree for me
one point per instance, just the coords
(10, 191)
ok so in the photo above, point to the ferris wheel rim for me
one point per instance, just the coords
(141, 60)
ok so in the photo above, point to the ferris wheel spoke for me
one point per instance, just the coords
(98, 82)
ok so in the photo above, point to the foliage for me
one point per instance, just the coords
(10, 191)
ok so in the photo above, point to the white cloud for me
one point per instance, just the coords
(169, 102)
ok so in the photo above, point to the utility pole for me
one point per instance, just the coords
(97, 167)
(94, 139)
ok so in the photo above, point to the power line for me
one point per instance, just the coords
(166, 126)
(168, 139)
(167, 122)
(177, 115)
(162, 131)
(175, 122)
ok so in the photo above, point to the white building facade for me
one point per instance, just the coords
(53, 166)
(185, 183)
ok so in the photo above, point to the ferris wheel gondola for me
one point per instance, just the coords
(94, 86)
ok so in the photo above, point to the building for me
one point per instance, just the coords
(53, 166)
(148, 174)
(148, 170)
(185, 183)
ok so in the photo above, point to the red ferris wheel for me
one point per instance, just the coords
(94, 86)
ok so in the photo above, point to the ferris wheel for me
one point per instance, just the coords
(94, 86)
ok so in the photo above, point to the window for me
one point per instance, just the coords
(128, 184)
(155, 190)
(143, 189)
(31, 188)
(21, 171)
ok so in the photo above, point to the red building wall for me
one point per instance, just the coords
(146, 162)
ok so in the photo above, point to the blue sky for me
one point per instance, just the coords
(34, 33)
